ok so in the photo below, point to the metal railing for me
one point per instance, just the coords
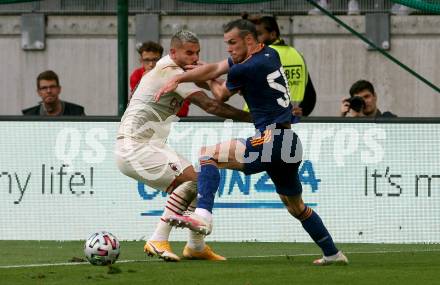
(336, 120)
(176, 7)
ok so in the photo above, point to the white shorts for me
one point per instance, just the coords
(153, 163)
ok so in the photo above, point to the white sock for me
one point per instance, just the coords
(196, 241)
(177, 203)
(162, 231)
(204, 214)
(334, 256)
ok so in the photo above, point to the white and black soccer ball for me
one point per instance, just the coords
(102, 248)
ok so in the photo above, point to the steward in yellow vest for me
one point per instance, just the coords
(302, 92)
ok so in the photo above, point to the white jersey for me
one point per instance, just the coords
(146, 119)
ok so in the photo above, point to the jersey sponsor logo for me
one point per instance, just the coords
(175, 105)
(174, 167)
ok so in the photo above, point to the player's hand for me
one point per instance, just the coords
(297, 111)
(193, 66)
(170, 86)
(345, 107)
(352, 113)
(219, 91)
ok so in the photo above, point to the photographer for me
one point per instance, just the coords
(362, 102)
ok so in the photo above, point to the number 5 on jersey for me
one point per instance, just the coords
(285, 99)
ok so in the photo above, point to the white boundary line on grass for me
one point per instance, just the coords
(346, 252)
(232, 257)
(72, 263)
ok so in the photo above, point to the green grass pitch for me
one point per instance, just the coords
(50, 262)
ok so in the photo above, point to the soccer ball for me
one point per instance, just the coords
(102, 248)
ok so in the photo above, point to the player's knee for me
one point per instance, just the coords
(294, 211)
(189, 174)
(208, 153)
(294, 205)
(187, 190)
(203, 150)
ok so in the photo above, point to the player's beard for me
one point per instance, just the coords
(237, 59)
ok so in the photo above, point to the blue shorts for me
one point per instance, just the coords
(279, 153)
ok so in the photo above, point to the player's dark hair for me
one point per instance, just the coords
(361, 85)
(47, 75)
(150, 47)
(245, 27)
(269, 24)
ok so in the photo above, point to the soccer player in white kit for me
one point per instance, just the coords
(141, 149)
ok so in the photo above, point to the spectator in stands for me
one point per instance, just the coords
(302, 92)
(149, 55)
(353, 8)
(362, 102)
(49, 89)
(399, 9)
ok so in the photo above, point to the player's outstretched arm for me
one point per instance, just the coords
(203, 85)
(215, 107)
(205, 72)
(219, 90)
(202, 73)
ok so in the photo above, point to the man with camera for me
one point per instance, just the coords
(362, 102)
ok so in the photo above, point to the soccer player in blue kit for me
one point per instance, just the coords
(255, 70)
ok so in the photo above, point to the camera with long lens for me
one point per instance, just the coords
(357, 104)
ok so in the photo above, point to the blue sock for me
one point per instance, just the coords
(207, 183)
(312, 223)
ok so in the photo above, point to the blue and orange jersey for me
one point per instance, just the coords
(262, 82)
